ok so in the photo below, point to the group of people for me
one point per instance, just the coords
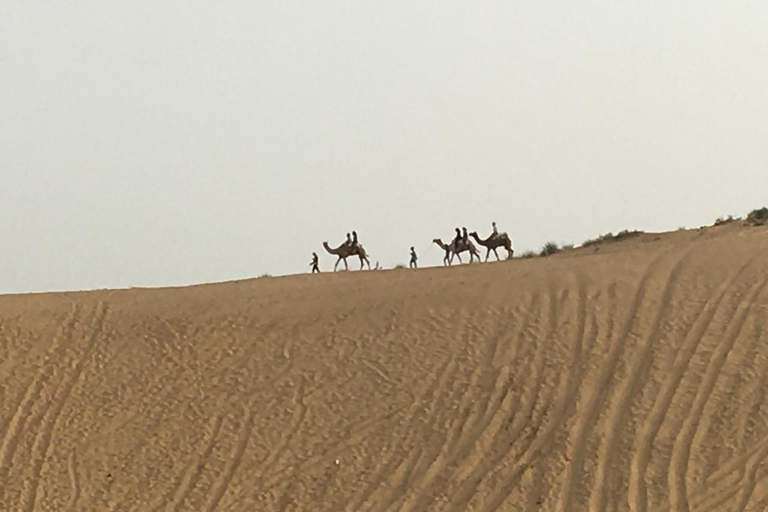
(462, 237)
(351, 242)
(461, 240)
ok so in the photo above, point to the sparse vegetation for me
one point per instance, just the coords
(549, 249)
(725, 220)
(610, 237)
(265, 275)
(399, 266)
(758, 217)
(528, 254)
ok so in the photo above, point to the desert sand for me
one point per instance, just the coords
(625, 376)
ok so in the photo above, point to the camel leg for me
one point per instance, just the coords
(337, 264)
(487, 254)
(346, 267)
(459, 256)
(496, 253)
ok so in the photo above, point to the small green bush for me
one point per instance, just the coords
(758, 217)
(610, 237)
(528, 254)
(549, 249)
(724, 220)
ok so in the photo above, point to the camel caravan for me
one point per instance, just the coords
(460, 243)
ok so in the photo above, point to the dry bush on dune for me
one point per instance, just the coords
(758, 217)
(549, 249)
(725, 220)
(610, 237)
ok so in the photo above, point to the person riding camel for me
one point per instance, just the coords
(349, 240)
(495, 230)
(355, 243)
(457, 240)
(464, 237)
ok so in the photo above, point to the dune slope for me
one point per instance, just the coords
(629, 376)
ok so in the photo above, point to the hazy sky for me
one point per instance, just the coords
(150, 143)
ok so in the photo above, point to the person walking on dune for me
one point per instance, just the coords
(315, 263)
(414, 259)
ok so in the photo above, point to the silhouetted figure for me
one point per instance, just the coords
(414, 259)
(315, 263)
(349, 240)
(457, 240)
(495, 230)
(464, 237)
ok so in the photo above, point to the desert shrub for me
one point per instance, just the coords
(566, 247)
(610, 237)
(399, 266)
(549, 249)
(601, 238)
(758, 217)
(724, 220)
(265, 275)
(528, 254)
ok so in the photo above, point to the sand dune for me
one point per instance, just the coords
(627, 376)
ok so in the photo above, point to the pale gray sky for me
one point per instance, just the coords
(151, 143)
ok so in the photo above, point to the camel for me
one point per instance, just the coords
(344, 251)
(450, 250)
(494, 242)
